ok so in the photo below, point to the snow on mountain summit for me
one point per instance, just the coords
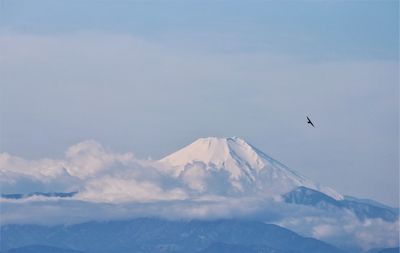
(248, 169)
(233, 152)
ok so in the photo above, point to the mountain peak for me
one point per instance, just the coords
(216, 152)
(249, 169)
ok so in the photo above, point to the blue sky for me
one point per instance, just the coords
(335, 29)
(152, 76)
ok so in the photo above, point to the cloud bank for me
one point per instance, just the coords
(99, 175)
(119, 186)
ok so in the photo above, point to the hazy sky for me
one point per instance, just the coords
(152, 76)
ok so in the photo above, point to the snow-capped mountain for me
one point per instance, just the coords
(247, 169)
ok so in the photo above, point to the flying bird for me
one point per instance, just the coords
(310, 122)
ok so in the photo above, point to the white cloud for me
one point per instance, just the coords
(111, 189)
(89, 158)
(324, 231)
(345, 230)
(83, 161)
(97, 173)
(113, 186)
(42, 170)
(195, 176)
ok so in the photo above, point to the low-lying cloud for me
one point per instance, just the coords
(110, 185)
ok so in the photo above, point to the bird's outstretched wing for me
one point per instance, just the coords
(310, 122)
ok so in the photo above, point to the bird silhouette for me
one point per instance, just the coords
(310, 122)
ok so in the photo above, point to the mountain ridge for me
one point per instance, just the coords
(362, 209)
(152, 235)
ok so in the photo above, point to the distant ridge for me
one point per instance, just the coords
(148, 235)
(362, 209)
